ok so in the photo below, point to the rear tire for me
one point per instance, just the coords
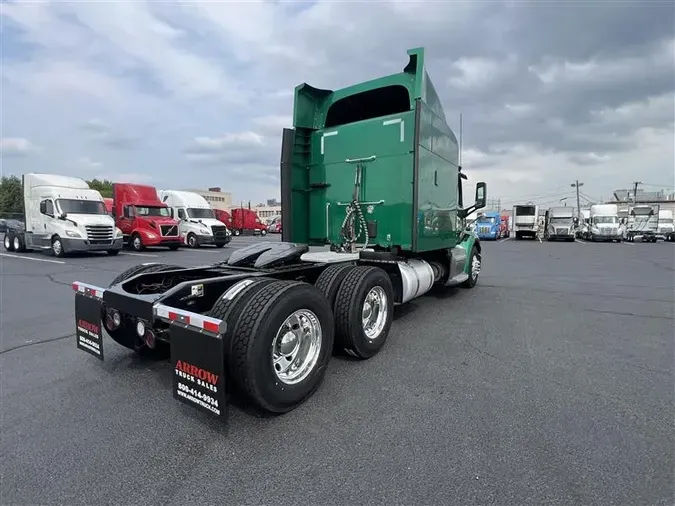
(272, 334)
(8, 243)
(365, 290)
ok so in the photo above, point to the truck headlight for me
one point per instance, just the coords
(118, 233)
(73, 233)
(151, 235)
(206, 230)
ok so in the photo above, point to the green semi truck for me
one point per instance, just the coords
(371, 173)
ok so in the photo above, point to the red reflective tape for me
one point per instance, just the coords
(76, 287)
(173, 316)
(211, 327)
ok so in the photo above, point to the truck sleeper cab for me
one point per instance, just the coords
(268, 319)
(63, 215)
(197, 222)
(143, 218)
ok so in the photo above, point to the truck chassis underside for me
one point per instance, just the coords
(211, 318)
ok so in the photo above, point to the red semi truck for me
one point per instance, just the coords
(109, 205)
(242, 221)
(143, 218)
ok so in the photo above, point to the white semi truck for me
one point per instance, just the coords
(197, 223)
(666, 225)
(525, 221)
(643, 222)
(63, 215)
(604, 223)
(559, 224)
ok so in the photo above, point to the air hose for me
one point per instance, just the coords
(349, 231)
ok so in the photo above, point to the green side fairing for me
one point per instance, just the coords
(394, 130)
(467, 242)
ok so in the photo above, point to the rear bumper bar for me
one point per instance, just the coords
(197, 349)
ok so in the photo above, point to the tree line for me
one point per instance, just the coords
(11, 193)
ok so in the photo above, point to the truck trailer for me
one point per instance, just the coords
(559, 224)
(265, 321)
(525, 221)
(247, 222)
(63, 215)
(643, 222)
(604, 223)
(197, 222)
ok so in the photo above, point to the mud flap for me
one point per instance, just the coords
(88, 331)
(199, 369)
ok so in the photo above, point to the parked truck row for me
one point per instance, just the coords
(64, 215)
(597, 223)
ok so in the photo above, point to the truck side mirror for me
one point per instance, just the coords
(63, 216)
(481, 195)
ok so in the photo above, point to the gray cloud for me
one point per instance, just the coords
(104, 134)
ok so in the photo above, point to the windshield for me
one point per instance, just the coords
(561, 220)
(488, 220)
(72, 206)
(525, 210)
(152, 211)
(642, 212)
(198, 213)
(605, 219)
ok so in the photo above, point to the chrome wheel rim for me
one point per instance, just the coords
(475, 266)
(296, 347)
(137, 242)
(56, 246)
(17, 244)
(374, 312)
(8, 243)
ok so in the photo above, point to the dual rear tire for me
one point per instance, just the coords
(281, 334)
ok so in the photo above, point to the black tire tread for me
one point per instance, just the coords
(330, 279)
(243, 339)
(344, 324)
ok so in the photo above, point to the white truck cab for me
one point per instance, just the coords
(604, 223)
(64, 215)
(666, 224)
(197, 223)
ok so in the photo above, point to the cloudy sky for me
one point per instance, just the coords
(196, 95)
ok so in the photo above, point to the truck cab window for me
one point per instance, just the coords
(128, 213)
(368, 104)
(47, 207)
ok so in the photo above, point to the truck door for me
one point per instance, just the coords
(126, 221)
(42, 229)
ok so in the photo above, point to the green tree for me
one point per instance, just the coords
(11, 195)
(104, 187)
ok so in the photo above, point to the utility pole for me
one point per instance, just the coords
(635, 188)
(576, 185)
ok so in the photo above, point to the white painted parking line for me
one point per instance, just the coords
(505, 239)
(579, 241)
(32, 258)
(140, 255)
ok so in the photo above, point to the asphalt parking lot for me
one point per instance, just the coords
(549, 383)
